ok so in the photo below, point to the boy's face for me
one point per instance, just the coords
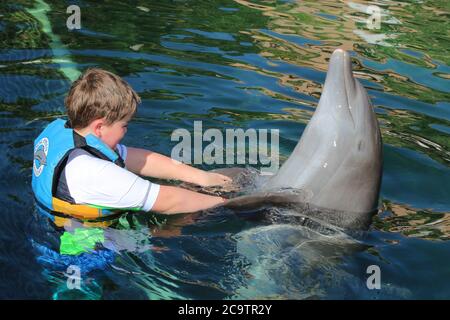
(112, 134)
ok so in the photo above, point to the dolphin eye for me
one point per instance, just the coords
(360, 145)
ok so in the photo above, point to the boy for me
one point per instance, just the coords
(81, 170)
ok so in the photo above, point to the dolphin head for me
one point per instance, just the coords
(338, 159)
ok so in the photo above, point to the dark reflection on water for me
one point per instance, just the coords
(248, 64)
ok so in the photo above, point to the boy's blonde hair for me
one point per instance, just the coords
(100, 94)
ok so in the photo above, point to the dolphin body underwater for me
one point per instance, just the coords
(334, 173)
(324, 194)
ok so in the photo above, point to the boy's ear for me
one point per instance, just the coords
(97, 126)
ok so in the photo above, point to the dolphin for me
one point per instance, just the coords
(334, 173)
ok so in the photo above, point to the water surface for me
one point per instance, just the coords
(246, 64)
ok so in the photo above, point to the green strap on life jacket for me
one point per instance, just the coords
(81, 240)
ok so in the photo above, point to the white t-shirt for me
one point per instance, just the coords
(99, 182)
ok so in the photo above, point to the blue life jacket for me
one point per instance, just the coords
(51, 152)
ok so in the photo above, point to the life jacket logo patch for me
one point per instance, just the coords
(40, 156)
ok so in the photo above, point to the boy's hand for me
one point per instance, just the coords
(214, 179)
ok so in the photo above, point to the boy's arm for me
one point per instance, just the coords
(172, 200)
(152, 164)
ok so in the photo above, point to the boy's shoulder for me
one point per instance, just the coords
(82, 162)
(120, 149)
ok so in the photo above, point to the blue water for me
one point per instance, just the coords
(233, 64)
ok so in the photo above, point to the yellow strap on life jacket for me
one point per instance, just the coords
(76, 210)
(67, 223)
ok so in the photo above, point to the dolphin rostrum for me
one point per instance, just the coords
(336, 166)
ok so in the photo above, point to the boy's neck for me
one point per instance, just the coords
(83, 132)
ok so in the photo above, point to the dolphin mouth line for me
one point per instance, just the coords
(346, 89)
